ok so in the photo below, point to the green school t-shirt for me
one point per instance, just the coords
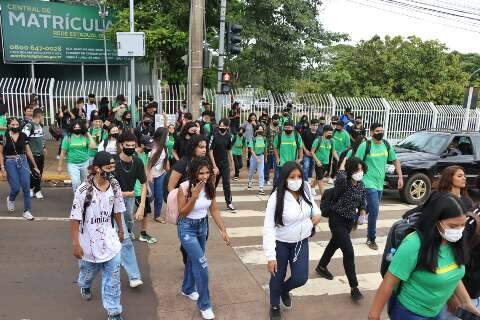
(342, 140)
(137, 189)
(376, 161)
(98, 135)
(76, 148)
(423, 292)
(288, 148)
(323, 148)
(258, 145)
(239, 145)
(3, 123)
(170, 143)
(207, 127)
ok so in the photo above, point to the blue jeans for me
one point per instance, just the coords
(446, 315)
(129, 259)
(18, 175)
(193, 235)
(129, 205)
(111, 288)
(398, 312)
(259, 166)
(307, 167)
(269, 165)
(373, 206)
(276, 173)
(158, 194)
(298, 269)
(78, 173)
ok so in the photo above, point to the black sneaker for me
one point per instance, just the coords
(356, 294)
(275, 313)
(86, 293)
(116, 317)
(286, 301)
(323, 272)
(372, 245)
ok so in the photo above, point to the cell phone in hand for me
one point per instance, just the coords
(466, 315)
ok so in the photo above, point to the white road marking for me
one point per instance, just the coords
(36, 219)
(240, 232)
(255, 255)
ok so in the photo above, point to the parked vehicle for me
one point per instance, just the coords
(423, 156)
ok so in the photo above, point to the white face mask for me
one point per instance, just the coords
(294, 184)
(451, 235)
(357, 176)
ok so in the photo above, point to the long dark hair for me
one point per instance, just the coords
(185, 129)
(446, 180)
(439, 207)
(351, 166)
(82, 125)
(281, 188)
(159, 140)
(193, 145)
(193, 170)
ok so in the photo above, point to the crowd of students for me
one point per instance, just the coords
(118, 169)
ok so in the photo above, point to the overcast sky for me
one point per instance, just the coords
(363, 22)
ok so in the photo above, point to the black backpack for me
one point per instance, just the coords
(327, 202)
(368, 147)
(397, 233)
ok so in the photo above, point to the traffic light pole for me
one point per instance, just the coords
(221, 59)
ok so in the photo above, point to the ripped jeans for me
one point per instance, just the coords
(110, 281)
(192, 234)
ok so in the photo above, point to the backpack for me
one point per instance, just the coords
(328, 200)
(368, 147)
(235, 139)
(279, 141)
(166, 180)
(172, 211)
(397, 233)
(473, 225)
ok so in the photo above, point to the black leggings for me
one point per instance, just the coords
(341, 228)
(238, 161)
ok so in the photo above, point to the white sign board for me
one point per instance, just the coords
(159, 121)
(131, 44)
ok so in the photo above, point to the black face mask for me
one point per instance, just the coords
(322, 123)
(222, 130)
(114, 135)
(275, 123)
(259, 133)
(128, 119)
(147, 123)
(288, 132)
(107, 175)
(285, 114)
(329, 137)
(240, 134)
(378, 136)
(129, 151)
(105, 127)
(358, 122)
(146, 150)
(15, 130)
(77, 131)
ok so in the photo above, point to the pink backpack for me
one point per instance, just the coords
(172, 211)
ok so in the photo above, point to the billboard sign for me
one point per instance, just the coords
(40, 31)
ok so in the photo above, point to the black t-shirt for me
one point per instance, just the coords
(12, 148)
(128, 172)
(235, 122)
(142, 131)
(220, 145)
(181, 166)
(181, 145)
(308, 137)
(64, 122)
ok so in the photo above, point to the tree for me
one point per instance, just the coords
(395, 68)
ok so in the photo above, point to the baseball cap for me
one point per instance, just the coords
(103, 158)
(147, 141)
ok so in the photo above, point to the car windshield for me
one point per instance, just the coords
(424, 142)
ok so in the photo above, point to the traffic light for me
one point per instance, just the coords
(226, 83)
(234, 39)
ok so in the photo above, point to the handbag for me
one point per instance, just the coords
(55, 131)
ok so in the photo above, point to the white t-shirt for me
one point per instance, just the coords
(158, 169)
(111, 146)
(99, 239)
(202, 205)
(88, 109)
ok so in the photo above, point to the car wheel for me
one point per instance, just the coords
(417, 189)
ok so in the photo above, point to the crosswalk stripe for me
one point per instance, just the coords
(36, 219)
(255, 255)
(257, 231)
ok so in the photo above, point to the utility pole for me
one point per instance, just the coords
(103, 13)
(221, 58)
(133, 102)
(195, 65)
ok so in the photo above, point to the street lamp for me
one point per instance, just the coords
(103, 13)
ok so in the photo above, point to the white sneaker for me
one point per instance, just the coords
(249, 185)
(10, 204)
(39, 195)
(58, 157)
(135, 283)
(31, 193)
(269, 183)
(207, 314)
(192, 296)
(28, 216)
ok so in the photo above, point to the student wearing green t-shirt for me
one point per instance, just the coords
(98, 134)
(170, 143)
(288, 146)
(239, 147)
(3, 124)
(376, 159)
(323, 150)
(75, 146)
(428, 267)
(257, 148)
(341, 140)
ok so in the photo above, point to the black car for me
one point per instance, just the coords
(423, 156)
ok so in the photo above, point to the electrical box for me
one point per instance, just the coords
(131, 44)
